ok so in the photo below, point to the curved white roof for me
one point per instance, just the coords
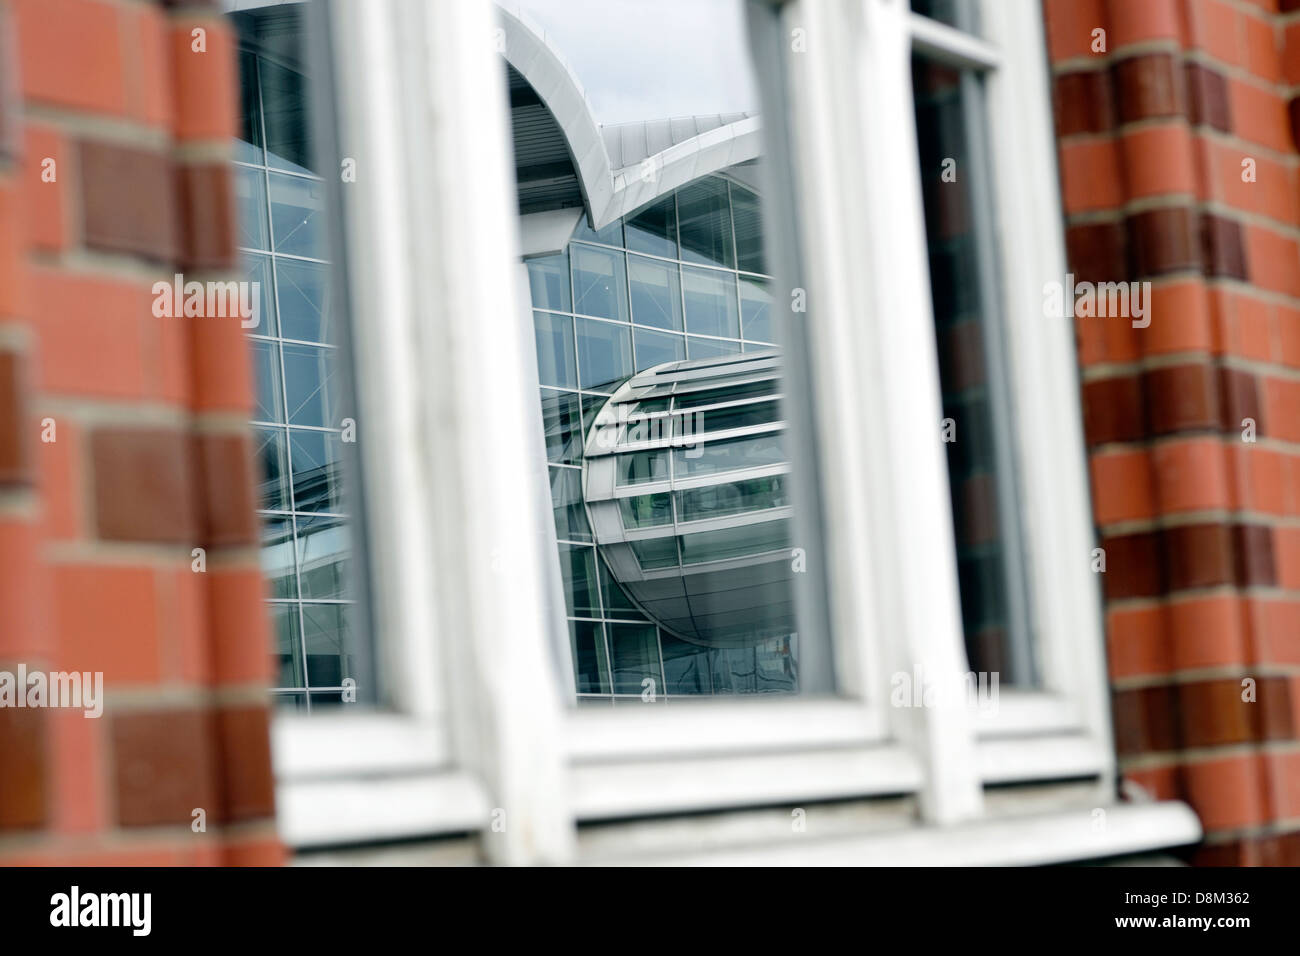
(623, 167)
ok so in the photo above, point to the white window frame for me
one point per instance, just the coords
(456, 499)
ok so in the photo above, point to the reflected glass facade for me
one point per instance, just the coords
(683, 278)
(299, 408)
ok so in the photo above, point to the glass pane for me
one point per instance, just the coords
(617, 603)
(737, 497)
(711, 302)
(250, 208)
(599, 282)
(590, 658)
(646, 511)
(749, 539)
(297, 223)
(555, 362)
(562, 426)
(766, 667)
(548, 281)
(706, 223)
(611, 235)
(266, 369)
(315, 470)
(654, 229)
(578, 568)
(756, 309)
(699, 348)
(309, 386)
(731, 416)
(749, 230)
(323, 553)
(653, 553)
(962, 14)
(278, 557)
(248, 143)
(960, 241)
(604, 354)
(303, 290)
(686, 666)
(327, 635)
(257, 270)
(288, 645)
(642, 466)
(288, 135)
(655, 348)
(656, 293)
(566, 503)
(635, 652)
(730, 393)
(728, 455)
(271, 454)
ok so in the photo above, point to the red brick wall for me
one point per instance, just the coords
(150, 458)
(1201, 528)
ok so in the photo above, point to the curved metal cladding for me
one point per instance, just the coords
(686, 488)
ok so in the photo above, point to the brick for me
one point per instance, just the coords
(1114, 409)
(79, 804)
(1122, 487)
(1091, 178)
(24, 635)
(1254, 338)
(1214, 27)
(1240, 393)
(1282, 408)
(164, 767)
(1097, 251)
(206, 82)
(244, 751)
(1264, 485)
(1286, 543)
(1191, 475)
(1133, 566)
(1146, 719)
(1205, 632)
(1212, 714)
(15, 457)
(240, 634)
(1274, 260)
(1288, 329)
(1223, 252)
(60, 464)
(1083, 102)
(1070, 24)
(1180, 319)
(143, 480)
(128, 200)
(1259, 116)
(1158, 161)
(1253, 564)
(1163, 240)
(47, 203)
(148, 78)
(1274, 624)
(1291, 53)
(1136, 642)
(1208, 103)
(254, 853)
(1148, 86)
(1262, 56)
(107, 620)
(207, 217)
(1143, 22)
(1181, 398)
(222, 366)
(25, 794)
(13, 275)
(227, 475)
(69, 55)
(1198, 556)
(1225, 792)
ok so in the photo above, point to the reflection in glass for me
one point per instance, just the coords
(315, 470)
(257, 269)
(646, 511)
(590, 657)
(705, 223)
(284, 99)
(604, 353)
(654, 229)
(327, 636)
(308, 385)
(566, 503)
(303, 289)
(737, 497)
(756, 309)
(323, 553)
(562, 426)
(271, 454)
(578, 568)
(288, 644)
(548, 281)
(250, 207)
(634, 649)
(749, 230)
(656, 293)
(729, 454)
(642, 466)
(555, 362)
(266, 369)
(248, 144)
(747, 539)
(686, 666)
(655, 348)
(278, 557)
(599, 282)
(297, 225)
(711, 302)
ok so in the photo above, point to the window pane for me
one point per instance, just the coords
(756, 309)
(266, 369)
(604, 354)
(309, 386)
(730, 416)
(288, 134)
(962, 14)
(303, 290)
(686, 666)
(555, 362)
(981, 467)
(765, 668)
(738, 542)
(737, 497)
(288, 645)
(711, 302)
(655, 348)
(706, 223)
(250, 208)
(611, 235)
(749, 230)
(617, 603)
(323, 552)
(656, 293)
(327, 635)
(654, 229)
(248, 144)
(646, 511)
(699, 348)
(296, 221)
(315, 470)
(566, 503)
(548, 281)
(271, 453)
(590, 659)
(653, 553)
(257, 270)
(278, 557)
(599, 282)
(562, 426)
(729, 394)
(728, 455)
(642, 466)
(635, 650)
(578, 567)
